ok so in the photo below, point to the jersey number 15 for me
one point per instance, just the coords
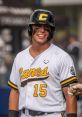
(40, 90)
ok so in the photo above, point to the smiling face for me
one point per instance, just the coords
(40, 33)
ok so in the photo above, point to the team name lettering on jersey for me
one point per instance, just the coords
(33, 72)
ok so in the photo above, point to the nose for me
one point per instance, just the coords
(42, 29)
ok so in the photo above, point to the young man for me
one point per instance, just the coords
(41, 74)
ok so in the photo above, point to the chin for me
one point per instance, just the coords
(42, 42)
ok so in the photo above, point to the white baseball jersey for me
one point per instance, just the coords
(40, 80)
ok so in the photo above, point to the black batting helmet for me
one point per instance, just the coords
(41, 16)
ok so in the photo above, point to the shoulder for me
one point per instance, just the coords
(59, 52)
(21, 54)
(61, 56)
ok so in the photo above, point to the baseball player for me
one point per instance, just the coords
(41, 74)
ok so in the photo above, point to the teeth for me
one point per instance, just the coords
(41, 35)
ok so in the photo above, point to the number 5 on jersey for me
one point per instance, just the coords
(40, 90)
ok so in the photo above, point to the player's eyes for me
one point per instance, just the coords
(46, 27)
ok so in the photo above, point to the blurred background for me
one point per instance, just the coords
(14, 17)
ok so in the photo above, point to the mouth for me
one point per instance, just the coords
(41, 36)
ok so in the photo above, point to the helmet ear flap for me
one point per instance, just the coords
(30, 30)
(51, 34)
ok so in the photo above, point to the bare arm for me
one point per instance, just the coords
(71, 102)
(13, 99)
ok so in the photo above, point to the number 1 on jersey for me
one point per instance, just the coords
(40, 90)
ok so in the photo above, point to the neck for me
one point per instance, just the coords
(36, 49)
(40, 47)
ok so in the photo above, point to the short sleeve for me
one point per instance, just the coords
(14, 76)
(67, 71)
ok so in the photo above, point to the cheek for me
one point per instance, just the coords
(47, 34)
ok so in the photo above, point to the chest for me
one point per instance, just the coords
(40, 66)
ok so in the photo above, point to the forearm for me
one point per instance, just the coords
(13, 100)
(71, 106)
(13, 103)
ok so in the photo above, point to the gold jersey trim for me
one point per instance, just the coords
(12, 85)
(23, 83)
(68, 81)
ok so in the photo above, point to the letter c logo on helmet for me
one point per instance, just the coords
(43, 17)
